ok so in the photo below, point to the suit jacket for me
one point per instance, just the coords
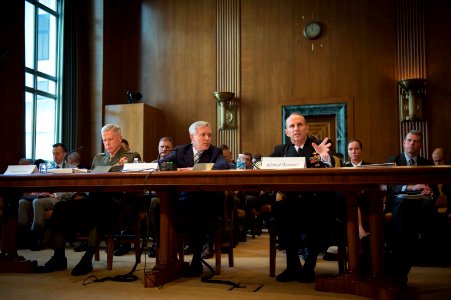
(400, 160)
(183, 157)
(288, 150)
(103, 159)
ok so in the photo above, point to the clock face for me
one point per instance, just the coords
(312, 30)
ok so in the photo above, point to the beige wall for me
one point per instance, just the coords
(355, 60)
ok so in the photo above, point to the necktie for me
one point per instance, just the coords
(411, 162)
(300, 152)
(197, 157)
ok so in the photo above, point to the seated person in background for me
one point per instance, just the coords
(125, 145)
(440, 157)
(228, 155)
(411, 217)
(25, 161)
(197, 210)
(303, 212)
(165, 146)
(74, 160)
(32, 209)
(100, 211)
(355, 154)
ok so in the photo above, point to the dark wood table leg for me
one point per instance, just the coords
(376, 285)
(168, 266)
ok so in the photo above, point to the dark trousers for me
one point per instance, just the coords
(414, 222)
(66, 216)
(98, 213)
(198, 214)
(308, 215)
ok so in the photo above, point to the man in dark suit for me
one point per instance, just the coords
(303, 213)
(411, 217)
(197, 210)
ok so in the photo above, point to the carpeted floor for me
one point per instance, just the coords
(251, 271)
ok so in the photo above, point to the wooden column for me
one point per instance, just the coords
(228, 65)
(411, 58)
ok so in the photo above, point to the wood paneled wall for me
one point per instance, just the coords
(12, 82)
(354, 59)
(178, 63)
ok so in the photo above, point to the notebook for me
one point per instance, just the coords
(203, 166)
(101, 169)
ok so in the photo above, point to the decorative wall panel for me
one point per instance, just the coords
(228, 65)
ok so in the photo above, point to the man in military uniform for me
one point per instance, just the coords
(102, 208)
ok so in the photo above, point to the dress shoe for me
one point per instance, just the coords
(54, 264)
(290, 274)
(194, 270)
(331, 254)
(153, 251)
(82, 247)
(122, 249)
(82, 268)
(187, 250)
(207, 253)
(307, 276)
(38, 246)
(23, 244)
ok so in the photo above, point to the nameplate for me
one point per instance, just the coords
(140, 167)
(283, 163)
(21, 169)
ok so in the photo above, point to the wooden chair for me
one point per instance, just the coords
(224, 234)
(132, 238)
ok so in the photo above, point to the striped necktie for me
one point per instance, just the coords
(197, 157)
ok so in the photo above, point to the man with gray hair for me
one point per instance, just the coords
(103, 208)
(197, 209)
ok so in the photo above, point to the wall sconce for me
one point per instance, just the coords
(226, 110)
(412, 96)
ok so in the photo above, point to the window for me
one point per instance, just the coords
(42, 77)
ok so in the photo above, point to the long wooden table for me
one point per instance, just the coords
(350, 181)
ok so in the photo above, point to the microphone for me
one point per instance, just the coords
(286, 149)
(166, 166)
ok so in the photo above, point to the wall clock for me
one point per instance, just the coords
(312, 30)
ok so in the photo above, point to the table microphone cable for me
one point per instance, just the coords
(128, 277)
(207, 278)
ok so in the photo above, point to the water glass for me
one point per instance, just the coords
(43, 168)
